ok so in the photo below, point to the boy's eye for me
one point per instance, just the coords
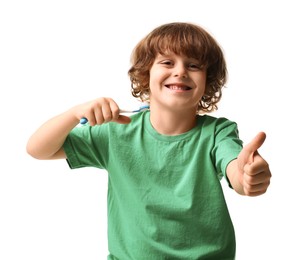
(166, 62)
(194, 66)
(190, 65)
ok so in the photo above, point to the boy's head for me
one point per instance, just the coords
(185, 39)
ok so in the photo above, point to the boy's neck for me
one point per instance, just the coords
(172, 122)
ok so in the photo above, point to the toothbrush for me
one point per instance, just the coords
(140, 109)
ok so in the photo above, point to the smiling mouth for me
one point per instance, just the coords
(178, 87)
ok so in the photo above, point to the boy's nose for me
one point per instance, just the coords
(180, 71)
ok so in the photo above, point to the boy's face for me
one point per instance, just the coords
(177, 82)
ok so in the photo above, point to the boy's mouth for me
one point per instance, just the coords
(179, 87)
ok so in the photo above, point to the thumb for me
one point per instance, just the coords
(123, 119)
(251, 148)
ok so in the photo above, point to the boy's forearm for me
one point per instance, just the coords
(233, 176)
(47, 141)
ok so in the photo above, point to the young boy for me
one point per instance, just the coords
(165, 200)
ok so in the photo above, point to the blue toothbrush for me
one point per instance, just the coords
(141, 108)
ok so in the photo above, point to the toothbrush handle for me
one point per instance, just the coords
(122, 111)
(83, 121)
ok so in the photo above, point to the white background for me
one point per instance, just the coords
(56, 54)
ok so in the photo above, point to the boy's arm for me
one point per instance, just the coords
(249, 174)
(47, 141)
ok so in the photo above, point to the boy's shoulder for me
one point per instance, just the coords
(209, 120)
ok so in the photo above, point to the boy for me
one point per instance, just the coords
(164, 165)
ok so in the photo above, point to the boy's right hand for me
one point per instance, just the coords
(100, 111)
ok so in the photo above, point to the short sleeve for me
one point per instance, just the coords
(227, 145)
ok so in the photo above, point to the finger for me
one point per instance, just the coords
(116, 117)
(106, 112)
(252, 147)
(259, 177)
(252, 193)
(114, 109)
(94, 113)
(256, 143)
(258, 165)
(122, 119)
(91, 118)
(256, 185)
(260, 187)
(97, 117)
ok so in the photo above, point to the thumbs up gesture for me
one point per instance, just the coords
(253, 171)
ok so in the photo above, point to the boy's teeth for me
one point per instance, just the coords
(175, 87)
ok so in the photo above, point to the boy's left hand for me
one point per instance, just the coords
(254, 172)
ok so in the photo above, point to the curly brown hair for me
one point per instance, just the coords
(185, 39)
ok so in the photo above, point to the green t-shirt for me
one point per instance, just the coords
(165, 200)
